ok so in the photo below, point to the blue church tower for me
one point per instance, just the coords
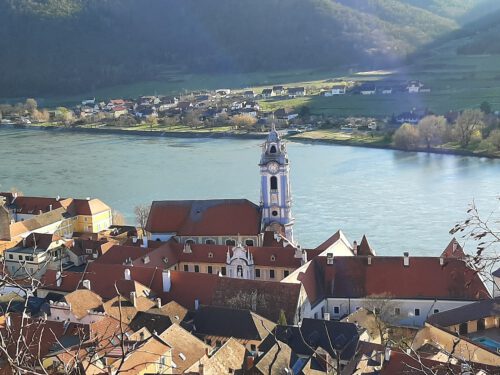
(276, 196)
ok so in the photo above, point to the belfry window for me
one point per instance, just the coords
(274, 183)
(272, 150)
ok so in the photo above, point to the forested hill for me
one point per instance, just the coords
(70, 46)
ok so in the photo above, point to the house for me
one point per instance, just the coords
(385, 90)
(223, 92)
(35, 254)
(367, 89)
(285, 114)
(279, 90)
(230, 358)
(294, 92)
(118, 111)
(469, 331)
(216, 325)
(81, 306)
(355, 283)
(267, 93)
(185, 106)
(249, 94)
(324, 342)
(411, 117)
(339, 89)
(187, 349)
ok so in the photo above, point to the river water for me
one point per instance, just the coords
(401, 201)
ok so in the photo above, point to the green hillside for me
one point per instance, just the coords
(62, 47)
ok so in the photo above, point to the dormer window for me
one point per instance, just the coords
(273, 258)
(210, 255)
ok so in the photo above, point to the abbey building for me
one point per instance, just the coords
(224, 221)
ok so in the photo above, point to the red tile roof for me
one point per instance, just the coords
(205, 217)
(329, 242)
(119, 254)
(31, 205)
(353, 277)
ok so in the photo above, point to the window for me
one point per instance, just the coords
(274, 213)
(271, 274)
(273, 258)
(208, 341)
(186, 268)
(88, 251)
(20, 257)
(223, 271)
(210, 255)
(376, 311)
(397, 311)
(218, 343)
(417, 312)
(253, 347)
(249, 242)
(436, 311)
(273, 149)
(190, 241)
(11, 256)
(257, 273)
(209, 269)
(274, 183)
(230, 242)
(210, 242)
(286, 273)
(29, 258)
(336, 310)
(196, 268)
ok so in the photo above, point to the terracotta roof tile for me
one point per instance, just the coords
(353, 277)
(182, 342)
(82, 301)
(204, 217)
(119, 254)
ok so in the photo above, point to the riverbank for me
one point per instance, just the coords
(328, 136)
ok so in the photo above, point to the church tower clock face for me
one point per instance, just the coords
(273, 167)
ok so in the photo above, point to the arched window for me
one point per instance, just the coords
(272, 150)
(274, 183)
(239, 271)
(230, 242)
(190, 241)
(210, 241)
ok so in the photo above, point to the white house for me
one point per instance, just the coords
(339, 89)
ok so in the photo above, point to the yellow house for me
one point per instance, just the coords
(91, 215)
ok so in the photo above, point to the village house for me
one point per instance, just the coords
(267, 93)
(339, 89)
(294, 92)
(35, 254)
(216, 325)
(470, 331)
(414, 87)
(279, 90)
(249, 94)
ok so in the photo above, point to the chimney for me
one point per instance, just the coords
(86, 284)
(196, 304)
(145, 242)
(8, 321)
(58, 198)
(441, 261)
(127, 274)
(406, 259)
(387, 354)
(50, 207)
(133, 299)
(326, 316)
(158, 302)
(167, 281)
(58, 278)
(369, 258)
(355, 248)
(201, 369)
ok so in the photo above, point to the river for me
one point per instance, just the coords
(401, 201)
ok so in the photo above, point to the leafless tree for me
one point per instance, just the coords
(467, 124)
(141, 216)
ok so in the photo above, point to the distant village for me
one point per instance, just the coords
(219, 107)
(221, 286)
